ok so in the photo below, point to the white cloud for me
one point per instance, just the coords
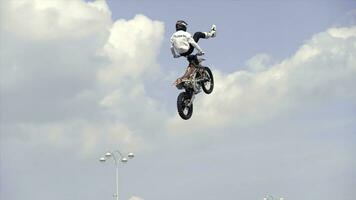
(323, 68)
(81, 78)
(259, 63)
(81, 136)
(132, 48)
(105, 80)
(45, 20)
(343, 33)
(75, 88)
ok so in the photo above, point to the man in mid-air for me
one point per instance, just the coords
(183, 44)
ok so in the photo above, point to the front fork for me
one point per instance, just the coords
(192, 97)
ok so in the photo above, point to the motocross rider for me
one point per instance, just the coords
(183, 44)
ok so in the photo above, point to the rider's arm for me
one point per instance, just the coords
(195, 45)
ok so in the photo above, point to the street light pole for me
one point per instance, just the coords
(117, 181)
(117, 161)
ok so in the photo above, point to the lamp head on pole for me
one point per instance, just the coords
(102, 159)
(131, 155)
(124, 160)
(108, 155)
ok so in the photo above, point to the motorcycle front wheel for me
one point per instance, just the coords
(208, 85)
(185, 110)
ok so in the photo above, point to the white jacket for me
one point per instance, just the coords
(180, 42)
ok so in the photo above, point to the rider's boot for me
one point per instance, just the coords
(211, 33)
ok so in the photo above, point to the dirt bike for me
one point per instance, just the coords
(201, 78)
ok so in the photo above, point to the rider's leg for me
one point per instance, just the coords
(191, 67)
(189, 71)
(205, 35)
(187, 74)
(190, 51)
(198, 35)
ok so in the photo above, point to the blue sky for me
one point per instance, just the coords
(274, 27)
(84, 77)
(245, 28)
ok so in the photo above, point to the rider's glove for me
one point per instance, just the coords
(200, 53)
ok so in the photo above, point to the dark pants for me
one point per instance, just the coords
(193, 58)
(196, 38)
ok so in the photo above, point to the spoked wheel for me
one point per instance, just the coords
(208, 85)
(185, 110)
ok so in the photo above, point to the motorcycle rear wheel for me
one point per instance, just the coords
(185, 111)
